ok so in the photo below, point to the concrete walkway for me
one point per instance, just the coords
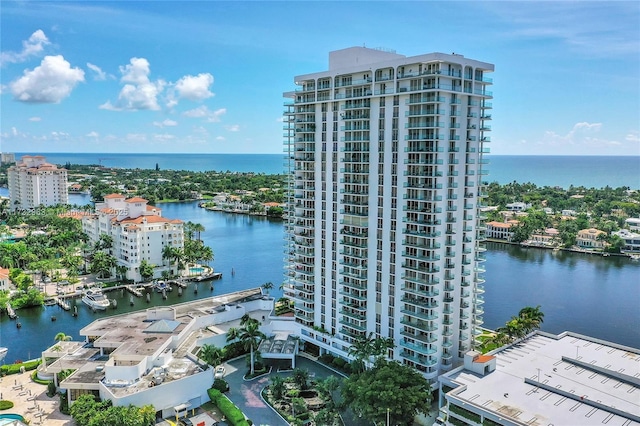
(246, 394)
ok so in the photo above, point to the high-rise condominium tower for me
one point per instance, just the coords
(33, 182)
(386, 162)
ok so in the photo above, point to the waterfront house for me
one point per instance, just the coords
(631, 240)
(4, 279)
(549, 237)
(591, 239)
(501, 230)
(633, 223)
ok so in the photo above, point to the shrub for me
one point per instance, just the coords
(51, 389)
(220, 385)
(15, 368)
(228, 409)
(339, 362)
(327, 358)
(5, 405)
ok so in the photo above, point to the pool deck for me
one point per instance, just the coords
(31, 401)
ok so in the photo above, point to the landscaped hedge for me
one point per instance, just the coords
(15, 368)
(5, 405)
(34, 377)
(228, 409)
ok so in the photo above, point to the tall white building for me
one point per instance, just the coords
(33, 182)
(139, 232)
(386, 161)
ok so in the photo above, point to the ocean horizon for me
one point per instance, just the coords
(541, 170)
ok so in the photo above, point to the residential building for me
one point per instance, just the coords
(386, 158)
(7, 158)
(150, 356)
(139, 232)
(33, 182)
(591, 239)
(501, 230)
(548, 237)
(4, 279)
(544, 379)
(518, 207)
(631, 240)
(633, 223)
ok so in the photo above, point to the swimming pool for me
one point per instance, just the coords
(197, 270)
(7, 419)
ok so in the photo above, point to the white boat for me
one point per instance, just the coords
(95, 300)
(3, 353)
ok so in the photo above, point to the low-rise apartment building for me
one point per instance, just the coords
(150, 356)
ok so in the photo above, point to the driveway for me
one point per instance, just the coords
(246, 394)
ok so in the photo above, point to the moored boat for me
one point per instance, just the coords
(3, 353)
(96, 300)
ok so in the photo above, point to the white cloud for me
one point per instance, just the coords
(139, 93)
(31, 47)
(195, 88)
(164, 137)
(233, 127)
(165, 123)
(100, 75)
(215, 116)
(56, 136)
(203, 111)
(136, 137)
(582, 135)
(221, 138)
(93, 134)
(633, 137)
(35, 119)
(50, 82)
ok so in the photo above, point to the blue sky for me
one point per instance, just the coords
(208, 76)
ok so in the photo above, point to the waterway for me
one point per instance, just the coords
(587, 294)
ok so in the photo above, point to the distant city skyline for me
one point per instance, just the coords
(208, 76)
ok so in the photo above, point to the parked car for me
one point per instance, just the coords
(185, 422)
(220, 370)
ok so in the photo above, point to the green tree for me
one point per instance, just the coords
(389, 388)
(102, 263)
(267, 287)
(146, 270)
(61, 337)
(277, 387)
(301, 378)
(211, 354)
(250, 336)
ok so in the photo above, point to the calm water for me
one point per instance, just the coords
(586, 294)
(564, 171)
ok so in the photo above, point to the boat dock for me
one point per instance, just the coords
(63, 304)
(135, 291)
(12, 314)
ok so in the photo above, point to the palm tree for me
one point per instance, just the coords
(102, 263)
(278, 387)
(267, 286)
(61, 337)
(146, 270)
(198, 228)
(361, 350)
(531, 317)
(249, 335)
(210, 354)
(301, 378)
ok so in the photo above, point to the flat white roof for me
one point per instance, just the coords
(563, 380)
